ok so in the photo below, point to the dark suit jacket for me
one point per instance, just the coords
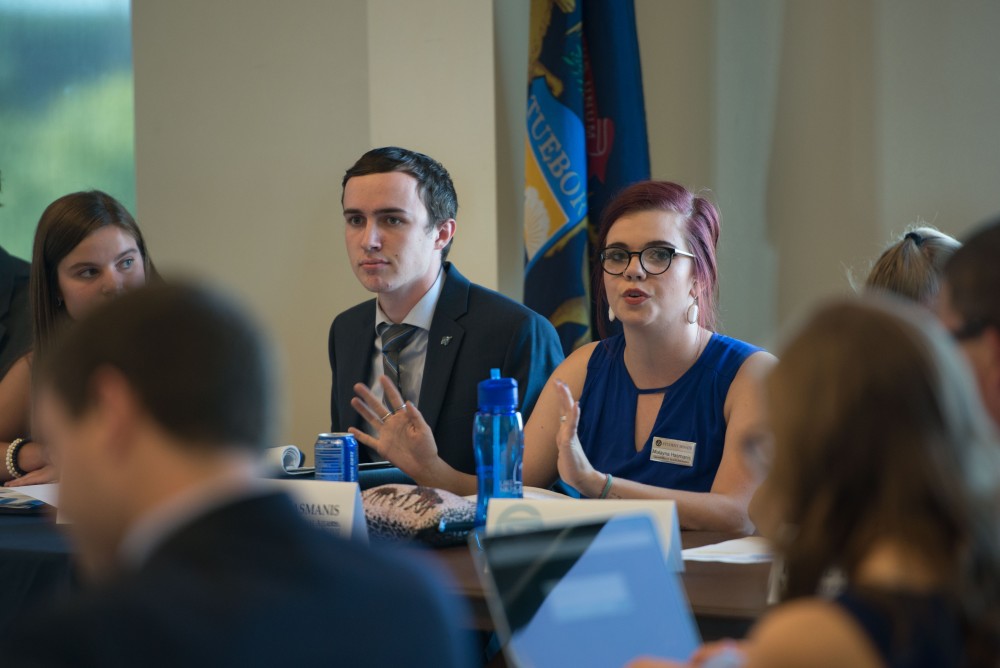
(473, 331)
(252, 584)
(15, 314)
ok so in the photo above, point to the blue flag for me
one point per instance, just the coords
(585, 140)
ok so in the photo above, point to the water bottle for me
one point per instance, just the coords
(498, 438)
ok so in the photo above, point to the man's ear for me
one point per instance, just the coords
(444, 232)
(117, 412)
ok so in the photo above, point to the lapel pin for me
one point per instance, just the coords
(445, 340)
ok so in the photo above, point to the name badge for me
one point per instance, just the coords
(672, 451)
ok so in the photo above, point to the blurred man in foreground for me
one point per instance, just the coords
(156, 408)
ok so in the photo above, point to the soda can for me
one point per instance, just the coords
(336, 457)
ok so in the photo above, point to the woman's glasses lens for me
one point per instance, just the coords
(654, 260)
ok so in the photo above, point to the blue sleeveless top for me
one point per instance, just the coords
(691, 412)
(908, 630)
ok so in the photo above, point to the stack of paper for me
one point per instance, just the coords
(750, 550)
(14, 501)
(30, 498)
(48, 493)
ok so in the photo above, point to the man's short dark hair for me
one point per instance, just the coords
(434, 185)
(973, 276)
(197, 363)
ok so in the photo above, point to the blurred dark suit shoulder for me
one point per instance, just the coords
(15, 312)
(252, 584)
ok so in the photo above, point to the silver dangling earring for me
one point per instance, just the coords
(611, 315)
(692, 319)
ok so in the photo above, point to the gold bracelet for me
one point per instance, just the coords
(11, 460)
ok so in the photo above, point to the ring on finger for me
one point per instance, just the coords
(392, 411)
(562, 418)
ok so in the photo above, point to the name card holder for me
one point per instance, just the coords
(513, 515)
(334, 506)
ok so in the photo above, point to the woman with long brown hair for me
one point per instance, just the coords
(886, 471)
(87, 249)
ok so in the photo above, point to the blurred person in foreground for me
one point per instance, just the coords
(886, 470)
(157, 406)
(909, 268)
(969, 307)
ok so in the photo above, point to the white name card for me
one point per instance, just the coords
(334, 506)
(512, 515)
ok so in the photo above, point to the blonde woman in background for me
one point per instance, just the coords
(911, 267)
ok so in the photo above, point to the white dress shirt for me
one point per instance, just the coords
(414, 354)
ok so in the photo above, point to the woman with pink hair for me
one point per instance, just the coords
(662, 410)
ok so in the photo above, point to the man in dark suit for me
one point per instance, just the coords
(156, 407)
(431, 331)
(15, 315)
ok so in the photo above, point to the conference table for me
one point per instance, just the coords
(726, 598)
(36, 568)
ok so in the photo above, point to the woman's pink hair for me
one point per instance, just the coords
(701, 233)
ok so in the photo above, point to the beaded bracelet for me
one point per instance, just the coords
(607, 487)
(11, 460)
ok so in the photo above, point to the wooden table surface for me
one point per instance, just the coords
(725, 598)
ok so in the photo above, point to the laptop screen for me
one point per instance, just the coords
(597, 594)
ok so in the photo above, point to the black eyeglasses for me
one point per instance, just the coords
(653, 260)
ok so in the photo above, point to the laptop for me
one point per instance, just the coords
(593, 594)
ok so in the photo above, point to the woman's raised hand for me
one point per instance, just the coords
(574, 467)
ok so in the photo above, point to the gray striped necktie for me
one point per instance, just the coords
(394, 339)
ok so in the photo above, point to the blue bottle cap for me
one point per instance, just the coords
(497, 395)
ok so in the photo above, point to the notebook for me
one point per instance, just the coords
(13, 502)
(594, 594)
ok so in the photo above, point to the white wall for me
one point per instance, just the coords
(939, 112)
(430, 66)
(821, 186)
(247, 115)
(676, 43)
(748, 38)
(510, 45)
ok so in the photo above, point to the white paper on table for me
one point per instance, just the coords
(749, 550)
(48, 493)
(531, 493)
(284, 459)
